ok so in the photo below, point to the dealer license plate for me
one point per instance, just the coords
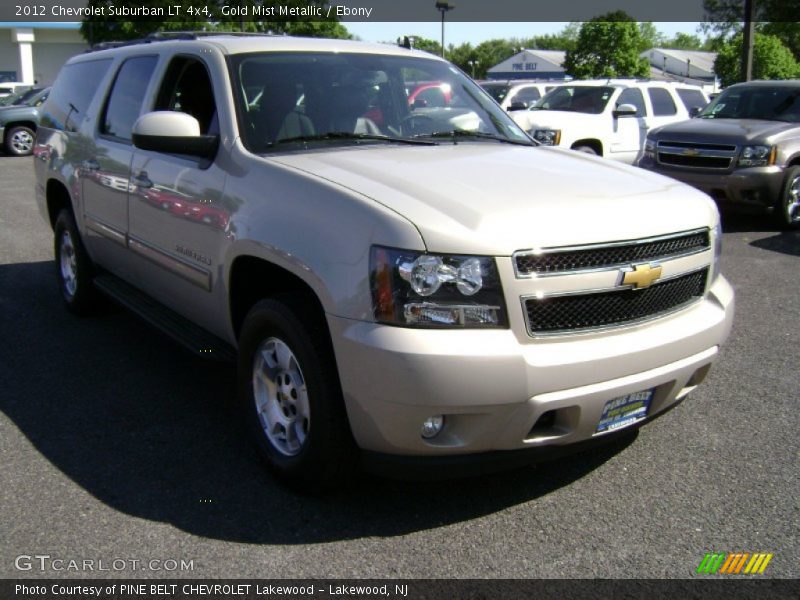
(625, 410)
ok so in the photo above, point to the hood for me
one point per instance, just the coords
(731, 131)
(493, 199)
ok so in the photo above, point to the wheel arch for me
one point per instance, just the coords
(593, 143)
(57, 198)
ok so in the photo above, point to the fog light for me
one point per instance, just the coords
(432, 426)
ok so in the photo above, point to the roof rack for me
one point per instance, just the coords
(168, 36)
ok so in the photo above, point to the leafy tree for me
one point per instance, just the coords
(773, 17)
(426, 45)
(102, 29)
(651, 37)
(684, 41)
(492, 52)
(607, 46)
(771, 59)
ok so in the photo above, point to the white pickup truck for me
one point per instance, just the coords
(609, 117)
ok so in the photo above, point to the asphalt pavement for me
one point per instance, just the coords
(117, 445)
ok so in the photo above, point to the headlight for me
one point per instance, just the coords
(548, 137)
(415, 289)
(757, 156)
(717, 240)
(650, 148)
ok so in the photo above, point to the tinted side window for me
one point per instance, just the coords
(691, 98)
(72, 94)
(187, 88)
(633, 96)
(662, 102)
(527, 96)
(125, 102)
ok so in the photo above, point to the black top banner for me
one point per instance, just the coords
(34, 11)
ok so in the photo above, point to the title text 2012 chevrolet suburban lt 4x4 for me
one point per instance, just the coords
(395, 288)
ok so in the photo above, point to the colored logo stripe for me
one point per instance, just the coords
(734, 563)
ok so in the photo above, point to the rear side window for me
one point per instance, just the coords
(662, 102)
(633, 96)
(72, 94)
(691, 98)
(527, 96)
(125, 102)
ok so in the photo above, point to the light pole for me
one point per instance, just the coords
(443, 6)
(472, 64)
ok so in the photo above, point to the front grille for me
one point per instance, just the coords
(696, 156)
(700, 162)
(595, 257)
(581, 312)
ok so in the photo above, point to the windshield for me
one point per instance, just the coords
(293, 100)
(16, 97)
(576, 98)
(778, 103)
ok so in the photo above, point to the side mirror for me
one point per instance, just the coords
(516, 106)
(694, 111)
(173, 133)
(624, 110)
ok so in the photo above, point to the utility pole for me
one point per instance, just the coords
(747, 45)
(443, 6)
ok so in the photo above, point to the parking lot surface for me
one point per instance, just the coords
(117, 444)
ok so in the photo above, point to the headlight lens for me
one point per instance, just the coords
(650, 148)
(717, 233)
(757, 156)
(548, 137)
(435, 290)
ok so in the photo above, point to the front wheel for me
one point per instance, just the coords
(74, 270)
(19, 141)
(787, 211)
(290, 395)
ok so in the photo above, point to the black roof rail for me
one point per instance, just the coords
(168, 36)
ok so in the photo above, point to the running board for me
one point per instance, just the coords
(194, 338)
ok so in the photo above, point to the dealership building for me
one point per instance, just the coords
(35, 52)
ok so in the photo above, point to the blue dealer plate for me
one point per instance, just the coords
(625, 410)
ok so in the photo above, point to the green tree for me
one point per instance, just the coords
(492, 52)
(607, 46)
(684, 41)
(771, 59)
(650, 37)
(724, 18)
(426, 45)
(110, 28)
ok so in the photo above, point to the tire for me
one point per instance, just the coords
(290, 395)
(787, 211)
(19, 141)
(74, 269)
(586, 150)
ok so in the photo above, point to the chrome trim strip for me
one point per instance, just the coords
(658, 238)
(191, 273)
(701, 152)
(604, 328)
(107, 231)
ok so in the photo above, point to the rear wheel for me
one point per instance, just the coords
(788, 209)
(74, 270)
(19, 141)
(290, 395)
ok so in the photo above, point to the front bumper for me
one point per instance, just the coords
(756, 187)
(492, 387)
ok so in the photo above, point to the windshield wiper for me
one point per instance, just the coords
(464, 133)
(344, 135)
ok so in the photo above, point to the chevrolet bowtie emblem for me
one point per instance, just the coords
(691, 152)
(640, 276)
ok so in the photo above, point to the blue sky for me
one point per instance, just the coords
(459, 33)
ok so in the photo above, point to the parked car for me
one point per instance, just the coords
(743, 149)
(400, 299)
(18, 124)
(19, 96)
(9, 87)
(517, 94)
(608, 117)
